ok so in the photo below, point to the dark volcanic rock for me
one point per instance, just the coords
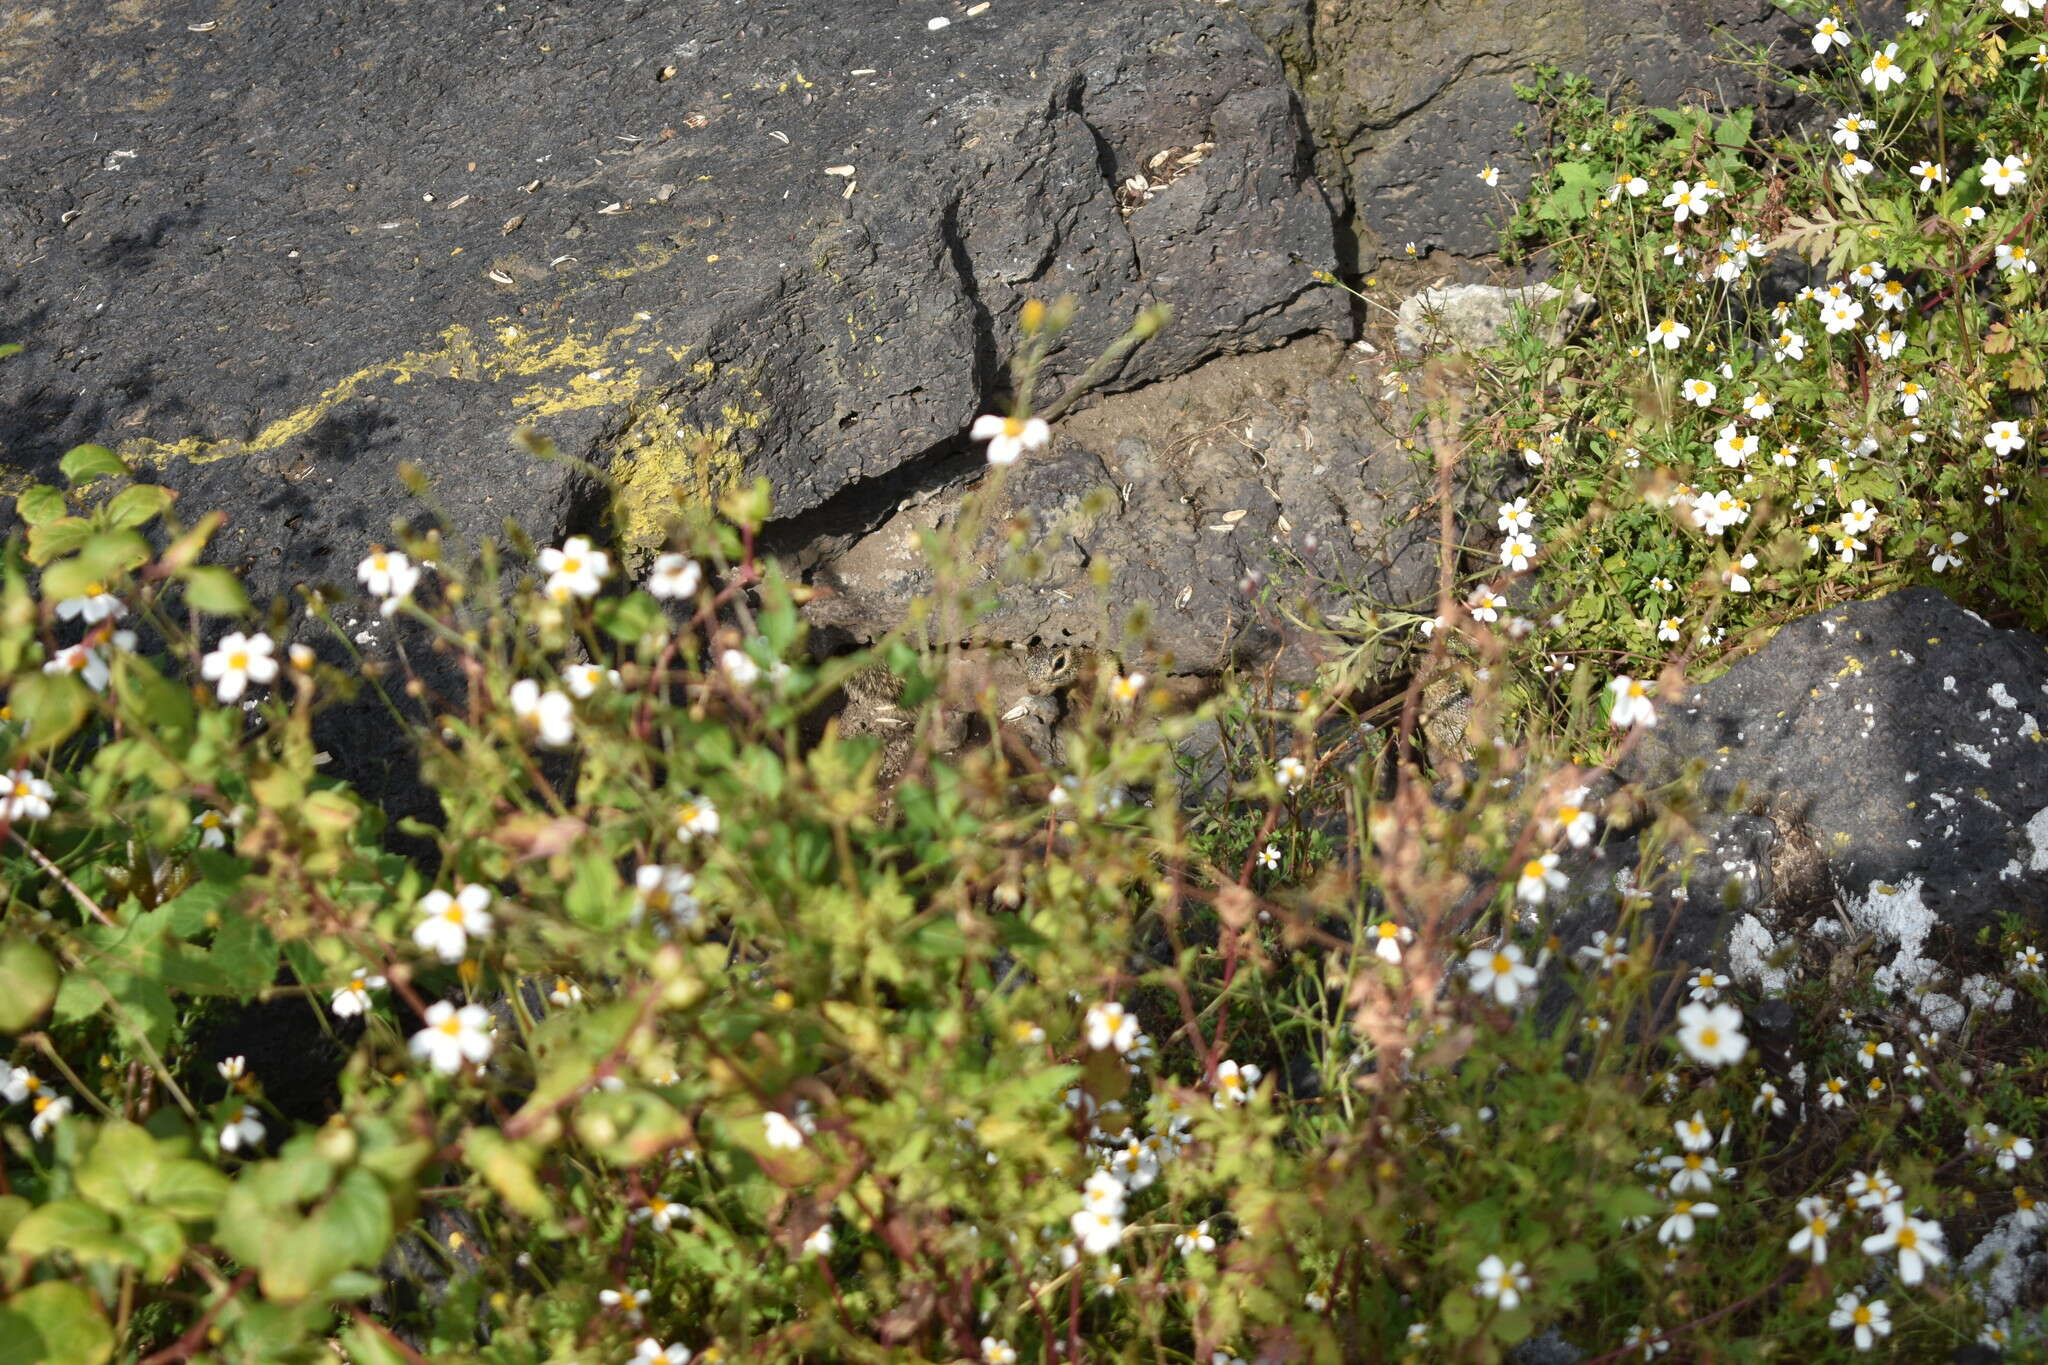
(1411, 98)
(1884, 777)
(274, 251)
(1287, 466)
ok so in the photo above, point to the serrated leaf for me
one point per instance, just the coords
(215, 590)
(55, 539)
(39, 503)
(83, 464)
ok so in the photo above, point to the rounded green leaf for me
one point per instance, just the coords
(212, 589)
(39, 503)
(49, 707)
(28, 983)
(120, 1167)
(51, 1322)
(59, 536)
(138, 503)
(83, 464)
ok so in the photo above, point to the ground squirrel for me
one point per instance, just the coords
(874, 703)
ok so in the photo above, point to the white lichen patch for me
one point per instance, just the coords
(1986, 993)
(2002, 698)
(1897, 915)
(1750, 947)
(2007, 1252)
(1943, 1013)
(2037, 835)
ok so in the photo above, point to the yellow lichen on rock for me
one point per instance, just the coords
(660, 464)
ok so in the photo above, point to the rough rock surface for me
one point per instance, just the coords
(275, 250)
(1470, 317)
(1409, 99)
(1266, 464)
(1877, 774)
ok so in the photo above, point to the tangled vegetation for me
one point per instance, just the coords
(695, 1028)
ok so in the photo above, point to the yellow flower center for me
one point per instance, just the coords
(1862, 1315)
(451, 1026)
(1502, 964)
(453, 914)
(1710, 1037)
(1013, 427)
(1908, 1239)
(1533, 868)
(238, 662)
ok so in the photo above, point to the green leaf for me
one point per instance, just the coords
(163, 704)
(55, 539)
(13, 1208)
(190, 1191)
(629, 618)
(120, 1166)
(157, 1237)
(509, 1169)
(71, 1226)
(627, 1127)
(283, 1218)
(370, 1347)
(244, 953)
(215, 590)
(49, 707)
(101, 560)
(28, 984)
(39, 503)
(355, 1226)
(137, 503)
(1733, 131)
(83, 464)
(11, 348)
(54, 1322)
(595, 897)
(1459, 1314)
